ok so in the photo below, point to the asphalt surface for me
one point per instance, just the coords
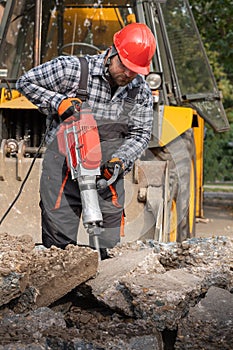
(218, 215)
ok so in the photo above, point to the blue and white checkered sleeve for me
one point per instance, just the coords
(48, 84)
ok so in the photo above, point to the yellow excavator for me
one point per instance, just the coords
(164, 192)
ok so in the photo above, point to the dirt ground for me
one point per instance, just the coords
(217, 221)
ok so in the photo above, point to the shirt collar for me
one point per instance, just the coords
(99, 63)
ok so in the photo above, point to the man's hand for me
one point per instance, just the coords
(107, 168)
(69, 107)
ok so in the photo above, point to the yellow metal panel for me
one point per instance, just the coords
(199, 147)
(176, 120)
(7, 95)
(20, 102)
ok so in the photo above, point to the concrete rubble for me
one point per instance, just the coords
(149, 296)
(41, 276)
(211, 321)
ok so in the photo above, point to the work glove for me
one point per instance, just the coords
(107, 168)
(69, 107)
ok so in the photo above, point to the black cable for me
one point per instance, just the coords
(27, 175)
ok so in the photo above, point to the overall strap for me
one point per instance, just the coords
(132, 93)
(130, 99)
(82, 90)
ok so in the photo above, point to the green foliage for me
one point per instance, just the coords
(218, 156)
(230, 116)
(214, 21)
(224, 84)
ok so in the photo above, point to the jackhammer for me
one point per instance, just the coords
(79, 141)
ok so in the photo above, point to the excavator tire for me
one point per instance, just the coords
(181, 207)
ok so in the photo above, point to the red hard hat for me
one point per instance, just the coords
(136, 46)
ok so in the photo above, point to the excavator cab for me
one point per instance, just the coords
(165, 188)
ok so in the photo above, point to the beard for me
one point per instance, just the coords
(120, 79)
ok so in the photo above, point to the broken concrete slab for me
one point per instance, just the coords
(151, 289)
(209, 324)
(14, 259)
(55, 272)
(110, 270)
(43, 274)
(146, 293)
(162, 298)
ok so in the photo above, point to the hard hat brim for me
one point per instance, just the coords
(133, 67)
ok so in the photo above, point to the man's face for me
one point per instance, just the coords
(119, 73)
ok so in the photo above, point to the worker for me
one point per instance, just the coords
(124, 124)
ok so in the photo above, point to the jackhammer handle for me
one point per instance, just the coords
(102, 183)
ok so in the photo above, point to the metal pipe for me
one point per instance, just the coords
(37, 37)
(60, 30)
(6, 19)
(33, 150)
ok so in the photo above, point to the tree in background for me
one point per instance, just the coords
(214, 21)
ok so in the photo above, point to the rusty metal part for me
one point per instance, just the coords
(19, 150)
(12, 146)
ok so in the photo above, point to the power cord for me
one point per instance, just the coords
(27, 175)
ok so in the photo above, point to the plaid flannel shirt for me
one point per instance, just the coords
(50, 83)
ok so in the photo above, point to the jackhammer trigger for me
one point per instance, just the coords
(102, 183)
